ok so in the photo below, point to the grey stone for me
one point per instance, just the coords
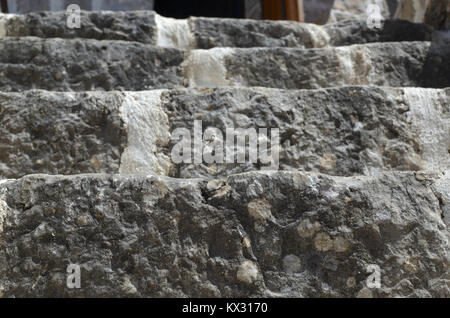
(65, 65)
(357, 32)
(204, 33)
(338, 131)
(55, 133)
(364, 171)
(210, 32)
(79, 65)
(345, 131)
(161, 237)
(102, 25)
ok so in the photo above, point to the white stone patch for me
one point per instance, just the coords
(4, 20)
(432, 127)
(247, 272)
(148, 127)
(313, 183)
(442, 187)
(128, 287)
(174, 33)
(319, 36)
(206, 68)
(354, 65)
(3, 209)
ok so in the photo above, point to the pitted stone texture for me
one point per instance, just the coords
(70, 133)
(338, 131)
(79, 65)
(251, 33)
(161, 237)
(60, 133)
(342, 131)
(101, 25)
(385, 64)
(350, 32)
(210, 32)
(204, 33)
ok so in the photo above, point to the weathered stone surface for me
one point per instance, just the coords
(383, 64)
(154, 237)
(60, 133)
(70, 133)
(65, 65)
(358, 32)
(346, 131)
(383, 200)
(79, 65)
(339, 131)
(210, 32)
(101, 25)
(204, 33)
(249, 33)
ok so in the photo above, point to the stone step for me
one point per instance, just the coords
(79, 65)
(204, 33)
(339, 131)
(273, 234)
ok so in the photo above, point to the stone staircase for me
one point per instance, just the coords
(87, 122)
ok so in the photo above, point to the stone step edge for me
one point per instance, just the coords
(183, 33)
(420, 175)
(140, 112)
(439, 181)
(216, 67)
(159, 221)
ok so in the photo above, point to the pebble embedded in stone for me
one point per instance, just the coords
(291, 263)
(323, 242)
(247, 272)
(260, 209)
(364, 293)
(307, 229)
(341, 244)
